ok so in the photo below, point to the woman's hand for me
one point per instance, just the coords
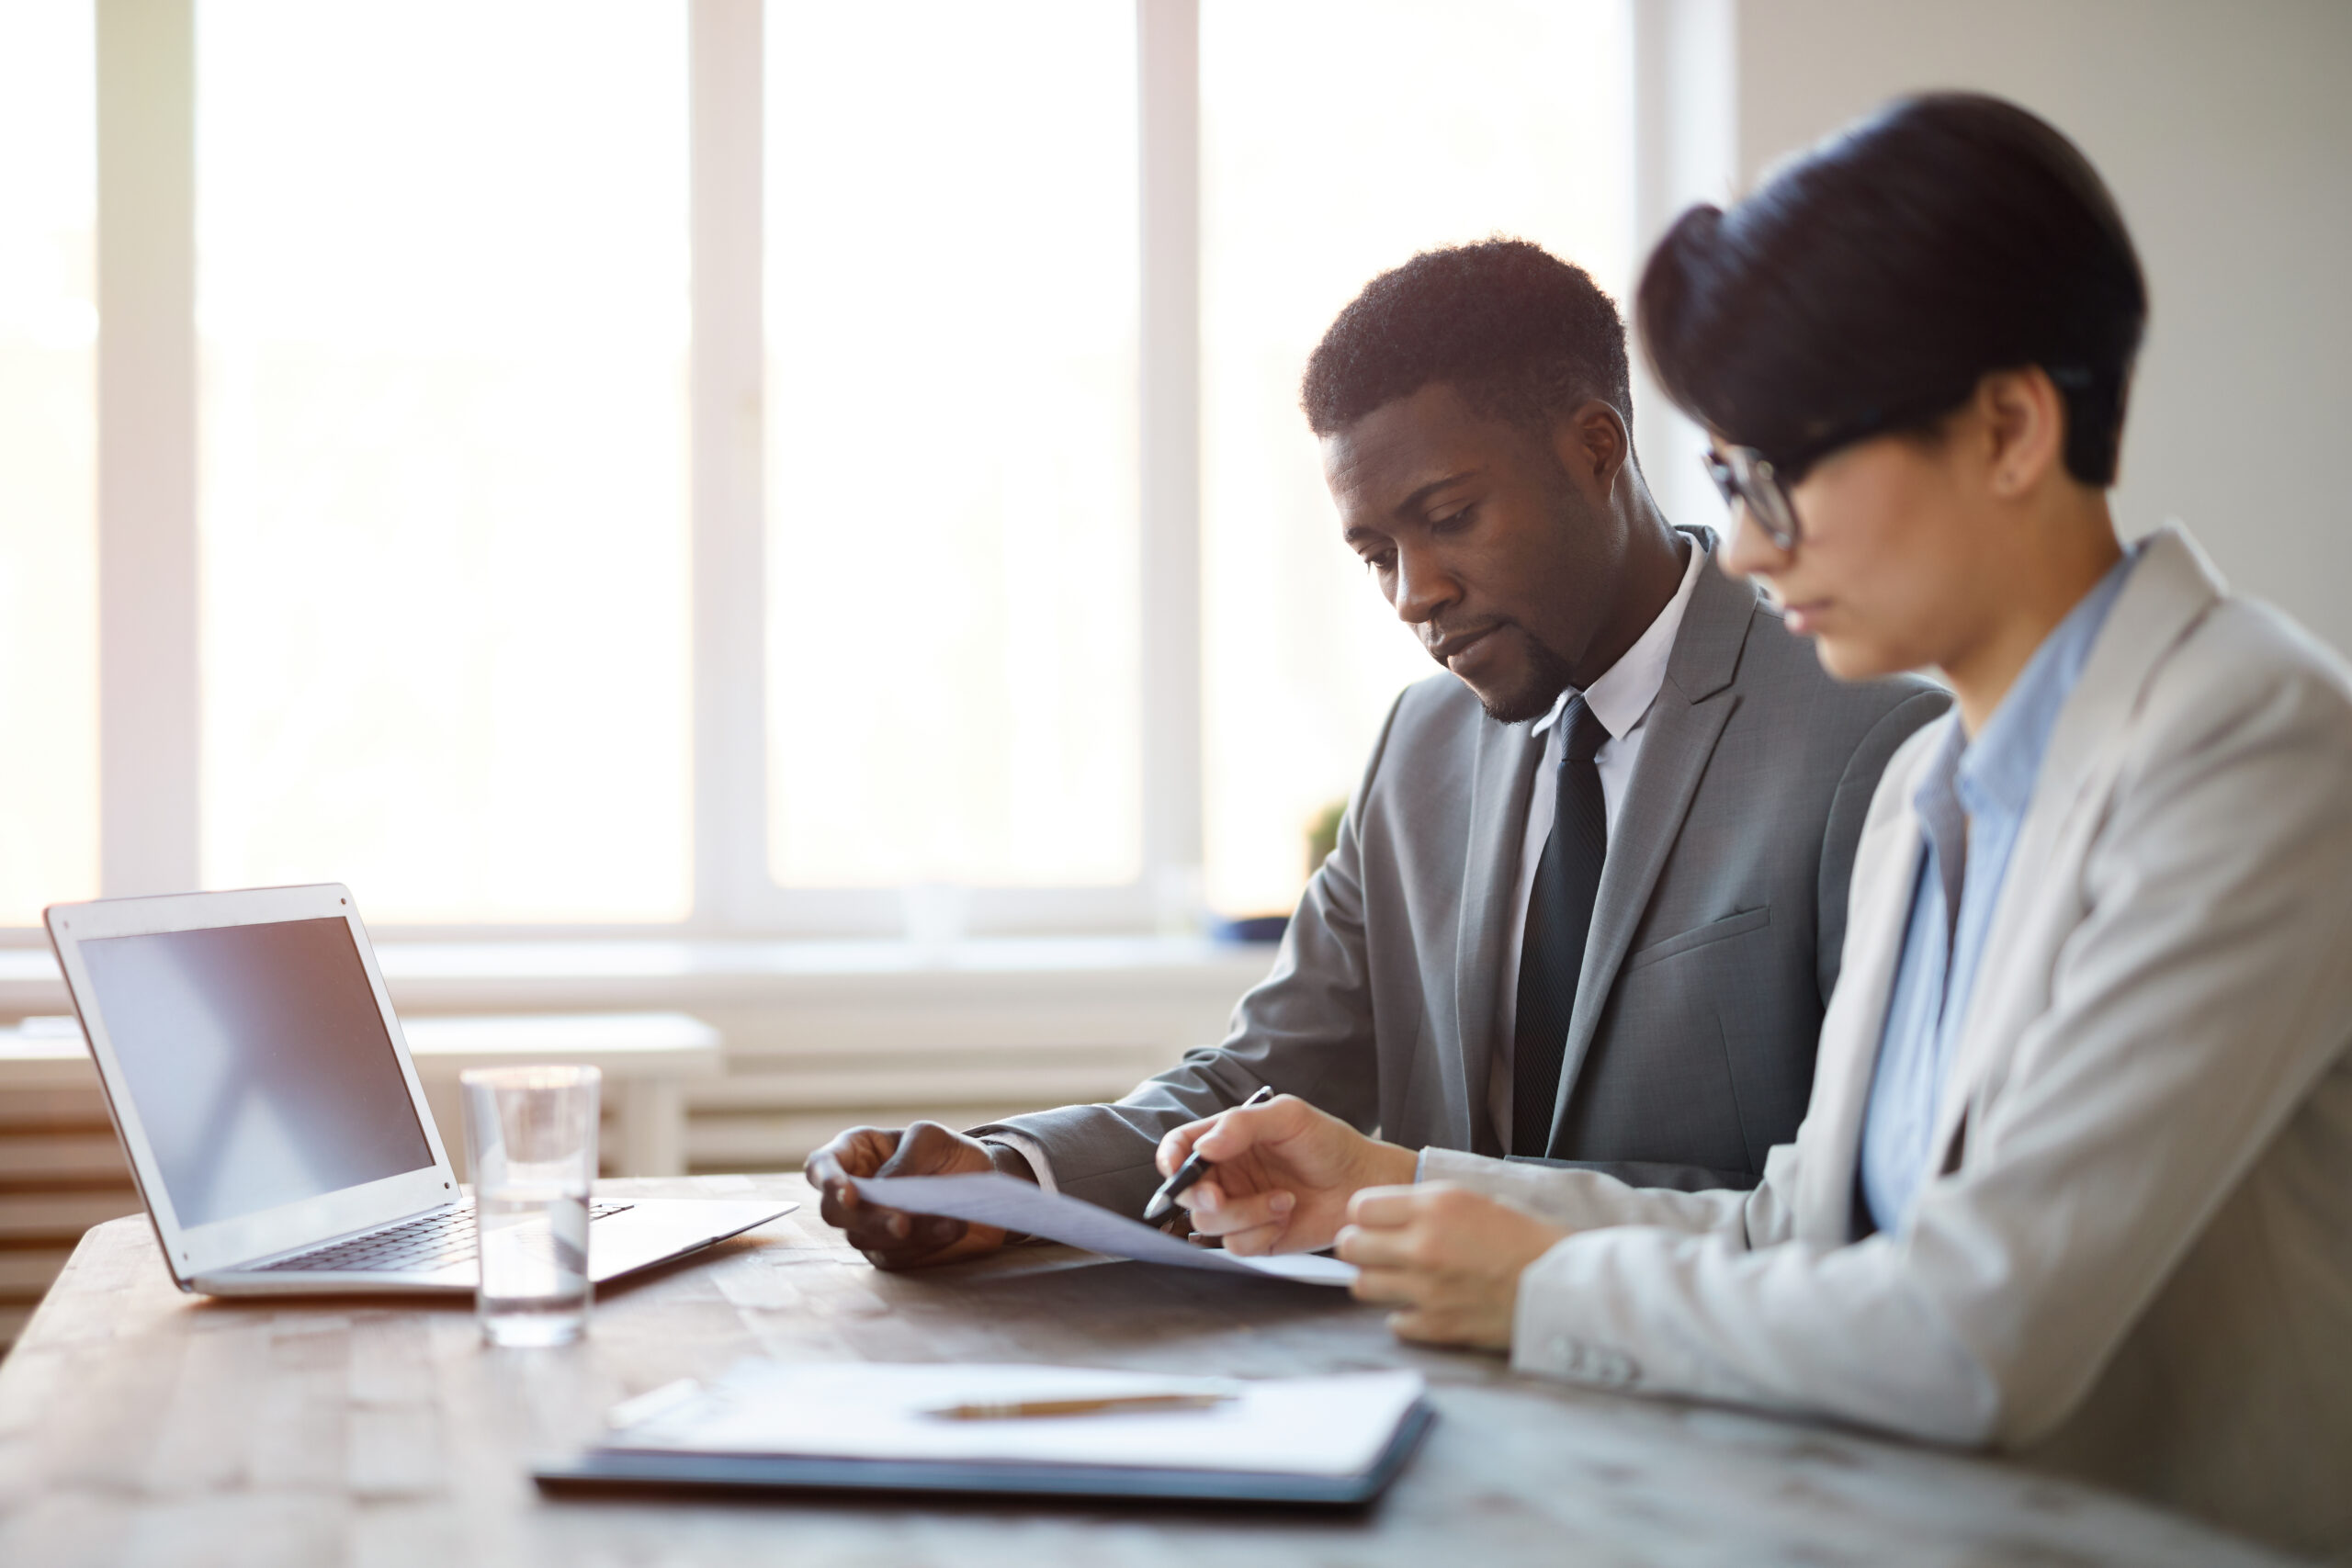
(1284, 1173)
(1448, 1258)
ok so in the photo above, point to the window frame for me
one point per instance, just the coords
(148, 541)
(147, 524)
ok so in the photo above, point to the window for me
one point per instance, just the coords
(952, 491)
(48, 321)
(442, 311)
(738, 466)
(1338, 139)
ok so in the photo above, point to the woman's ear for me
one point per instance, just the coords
(2026, 417)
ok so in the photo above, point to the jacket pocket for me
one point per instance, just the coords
(1730, 926)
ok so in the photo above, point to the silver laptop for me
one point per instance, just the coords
(271, 1115)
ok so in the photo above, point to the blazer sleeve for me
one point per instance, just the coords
(1307, 1030)
(2193, 1007)
(1582, 1197)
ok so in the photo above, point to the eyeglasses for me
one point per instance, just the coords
(1745, 476)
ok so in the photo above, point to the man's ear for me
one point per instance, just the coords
(2025, 415)
(1593, 445)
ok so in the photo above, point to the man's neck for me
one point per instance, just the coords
(1655, 558)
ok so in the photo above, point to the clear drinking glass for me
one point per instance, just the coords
(531, 1140)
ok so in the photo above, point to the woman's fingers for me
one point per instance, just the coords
(1256, 1242)
(1390, 1287)
(1219, 1213)
(1235, 1133)
(1403, 1247)
(1431, 1327)
(1250, 1225)
(1385, 1208)
(1176, 1148)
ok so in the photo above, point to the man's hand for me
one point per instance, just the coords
(1449, 1258)
(1285, 1172)
(889, 1237)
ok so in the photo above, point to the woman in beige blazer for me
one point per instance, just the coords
(2075, 1179)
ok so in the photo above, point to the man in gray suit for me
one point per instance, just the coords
(1587, 902)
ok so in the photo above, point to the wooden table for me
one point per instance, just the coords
(141, 1427)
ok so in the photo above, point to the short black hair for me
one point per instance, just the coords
(1888, 270)
(1518, 332)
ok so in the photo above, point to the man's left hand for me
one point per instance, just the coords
(1448, 1259)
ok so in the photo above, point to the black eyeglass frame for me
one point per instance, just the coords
(1746, 477)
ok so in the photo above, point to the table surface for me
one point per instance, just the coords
(138, 1425)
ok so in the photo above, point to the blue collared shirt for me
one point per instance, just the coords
(1970, 805)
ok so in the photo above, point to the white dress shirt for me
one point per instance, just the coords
(1621, 700)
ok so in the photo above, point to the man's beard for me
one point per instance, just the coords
(1547, 672)
(1547, 677)
(1532, 698)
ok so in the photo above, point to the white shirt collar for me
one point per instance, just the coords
(1620, 698)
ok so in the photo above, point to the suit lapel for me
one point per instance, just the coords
(2171, 588)
(1886, 868)
(1502, 781)
(1677, 739)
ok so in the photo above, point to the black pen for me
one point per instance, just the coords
(1192, 1169)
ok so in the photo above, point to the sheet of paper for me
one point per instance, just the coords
(1316, 1426)
(1018, 1205)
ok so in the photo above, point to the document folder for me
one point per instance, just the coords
(1332, 1441)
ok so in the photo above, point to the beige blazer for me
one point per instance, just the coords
(2135, 1262)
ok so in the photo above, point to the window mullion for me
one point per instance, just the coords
(1168, 38)
(728, 434)
(147, 375)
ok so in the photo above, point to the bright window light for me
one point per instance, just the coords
(48, 318)
(951, 306)
(1339, 137)
(442, 301)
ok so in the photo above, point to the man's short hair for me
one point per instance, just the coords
(1518, 332)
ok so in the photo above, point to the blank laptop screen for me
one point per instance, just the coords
(258, 1062)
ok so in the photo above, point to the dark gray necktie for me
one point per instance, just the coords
(1559, 917)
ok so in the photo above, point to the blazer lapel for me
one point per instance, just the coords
(1679, 737)
(1502, 780)
(2171, 587)
(1886, 867)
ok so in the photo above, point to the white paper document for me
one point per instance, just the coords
(1314, 1425)
(1018, 1205)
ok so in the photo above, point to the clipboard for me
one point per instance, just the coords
(866, 1429)
(606, 1470)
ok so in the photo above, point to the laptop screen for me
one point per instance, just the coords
(258, 1062)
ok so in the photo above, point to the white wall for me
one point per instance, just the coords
(2225, 130)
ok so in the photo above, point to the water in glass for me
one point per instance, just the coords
(535, 1288)
(531, 1138)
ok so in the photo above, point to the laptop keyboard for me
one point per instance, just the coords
(413, 1247)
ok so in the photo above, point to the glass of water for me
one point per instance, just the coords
(531, 1140)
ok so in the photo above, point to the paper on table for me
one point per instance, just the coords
(1018, 1205)
(1314, 1425)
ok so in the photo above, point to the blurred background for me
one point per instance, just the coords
(796, 514)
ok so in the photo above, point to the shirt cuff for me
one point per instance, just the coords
(1028, 1148)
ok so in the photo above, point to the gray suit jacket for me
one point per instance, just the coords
(1712, 952)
